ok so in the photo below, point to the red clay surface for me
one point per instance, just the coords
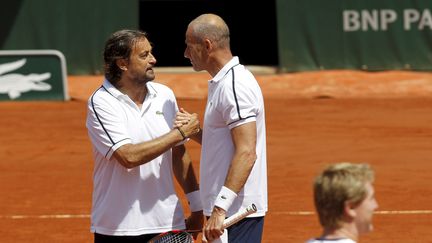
(313, 119)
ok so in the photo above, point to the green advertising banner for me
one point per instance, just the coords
(77, 28)
(33, 75)
(348, 34)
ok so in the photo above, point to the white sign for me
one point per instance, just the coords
(14, 84)
(381, 19)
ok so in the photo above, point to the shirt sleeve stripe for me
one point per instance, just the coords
(113, 146)
(97, 116)
(234, 93)
(241, 119)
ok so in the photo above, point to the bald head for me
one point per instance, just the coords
(212, 27)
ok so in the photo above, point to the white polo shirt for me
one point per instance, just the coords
(141, 200)
(234, 98)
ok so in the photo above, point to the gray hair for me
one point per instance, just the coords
(212, 27)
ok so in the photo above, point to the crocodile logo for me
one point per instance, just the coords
(14, 84)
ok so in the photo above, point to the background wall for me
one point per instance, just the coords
(362, 34)
(77, 28)
(292, 35)
(252, 26)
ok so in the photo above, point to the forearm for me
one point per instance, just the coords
(132, 155)
(238, 173)
(185, 175)
(183, 169)
(241, 166)
(244, 140)
(242, 162)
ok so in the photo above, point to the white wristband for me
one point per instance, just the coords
(194, 199)
(225, 198)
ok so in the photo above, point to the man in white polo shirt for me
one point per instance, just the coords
(136, 149)
(233, 169)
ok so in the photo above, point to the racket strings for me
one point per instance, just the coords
(175, 237)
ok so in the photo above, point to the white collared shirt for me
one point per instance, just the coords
(141, 200)
(234, 98)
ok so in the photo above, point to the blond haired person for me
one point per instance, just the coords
(345, 202)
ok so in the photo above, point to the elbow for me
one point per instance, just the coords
(127, 159)
(128, 163)
(129, 156)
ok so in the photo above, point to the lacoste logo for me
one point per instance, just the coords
(159, 113)
(223, 197)
(14, 84)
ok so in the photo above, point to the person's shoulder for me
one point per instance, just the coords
(102, 96)
(97, 94)
(160, 88)
(244, 73)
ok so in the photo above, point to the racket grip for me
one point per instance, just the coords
(239, 215)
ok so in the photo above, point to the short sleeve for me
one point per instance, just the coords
(106, 127)
(238, 104)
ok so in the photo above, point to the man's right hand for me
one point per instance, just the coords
(188, 123)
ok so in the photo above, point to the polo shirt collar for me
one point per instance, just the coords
(112, 90)
(151, 91)
(221, 74)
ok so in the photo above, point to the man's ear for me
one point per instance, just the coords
(122, 64)
(208, 44)
(349, 209)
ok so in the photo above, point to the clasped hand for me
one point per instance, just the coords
(188, 122)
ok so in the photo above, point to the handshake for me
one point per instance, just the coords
(187, 124)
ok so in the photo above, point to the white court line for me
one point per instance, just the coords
(48, 216)
(405, 212)
(303, 213)
(300, 213)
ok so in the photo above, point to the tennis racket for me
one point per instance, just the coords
(184, 236)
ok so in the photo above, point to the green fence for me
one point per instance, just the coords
(77, 28)
(312, 34)
(348, 34)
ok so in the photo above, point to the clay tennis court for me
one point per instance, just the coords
(314, 118)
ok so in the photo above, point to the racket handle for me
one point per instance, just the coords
(239, 215)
